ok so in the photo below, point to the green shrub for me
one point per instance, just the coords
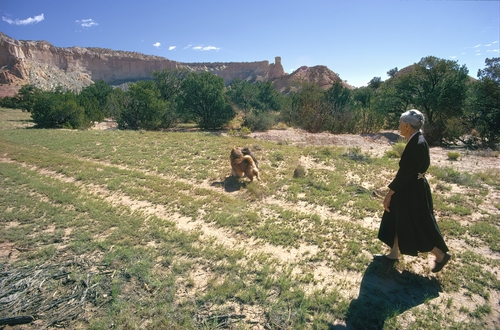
(453, 155)
(450, 175)
(59, 110)
(245, 131)
(145, 109)
(397, 149)
(281, 126)
(299, 172)
(203, 101)
(355, 153)
(260, 122)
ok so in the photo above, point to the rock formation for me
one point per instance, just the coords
(319, 75)
(46, 66)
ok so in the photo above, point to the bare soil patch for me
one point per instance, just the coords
(377, 144)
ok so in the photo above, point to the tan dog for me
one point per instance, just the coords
(243, 165)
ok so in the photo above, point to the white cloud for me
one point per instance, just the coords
(477, 46)
(201, 48)
(157, 44)
(172, 47)
(211, 48)
(86, 23)
(207, 48)
(89, 24)
(29, 20)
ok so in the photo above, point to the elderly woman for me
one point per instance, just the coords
(408, 224)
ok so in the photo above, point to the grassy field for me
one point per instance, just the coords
(132, 229)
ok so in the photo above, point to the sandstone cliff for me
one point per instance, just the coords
(46, 66)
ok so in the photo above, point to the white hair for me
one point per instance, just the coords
(413, 117)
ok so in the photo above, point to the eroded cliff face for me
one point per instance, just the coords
(45, 66)
(42, 64)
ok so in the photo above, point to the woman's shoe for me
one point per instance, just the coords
(383, 257)
(440, 265)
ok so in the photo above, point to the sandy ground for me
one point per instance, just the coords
(377, 144)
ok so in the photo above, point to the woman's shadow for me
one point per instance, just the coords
(386, 292)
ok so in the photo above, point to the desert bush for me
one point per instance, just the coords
(453, 155)
(299, 172)
(483, 108)
(59, 110)
(254, 97)
(203, 101)
(356, 154)
(397, 149)
(280, 126)
(450, 175)
(260, 121)
(244, 131)
(145, 109)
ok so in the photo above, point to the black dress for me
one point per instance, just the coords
(412, 213)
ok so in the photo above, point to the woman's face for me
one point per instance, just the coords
(403, 128)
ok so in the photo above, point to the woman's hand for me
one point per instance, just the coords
(387, 200)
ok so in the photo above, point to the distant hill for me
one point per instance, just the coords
(319, 75)
(46, 66)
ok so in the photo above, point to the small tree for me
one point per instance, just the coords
(367, 119)
(168, 82)
(116, 101)
(203, 101)
(98, 91)
(375, 82)
(27, 96)
(242, 93)
(392, 72)
(491, 71)
(484, 103)
(306, 108)
(338, 109)
(91, 106)
(269, 99)
(144, 109)
(59, 109)
(435, 86)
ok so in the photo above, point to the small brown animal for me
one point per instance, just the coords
(243, 165)
(247, 151)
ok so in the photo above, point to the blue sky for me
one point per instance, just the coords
(356, 39)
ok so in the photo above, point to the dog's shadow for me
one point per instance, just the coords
(230, 184)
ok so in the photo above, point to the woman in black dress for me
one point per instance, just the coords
(408, 224)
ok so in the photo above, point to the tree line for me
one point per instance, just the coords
(457, 107)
